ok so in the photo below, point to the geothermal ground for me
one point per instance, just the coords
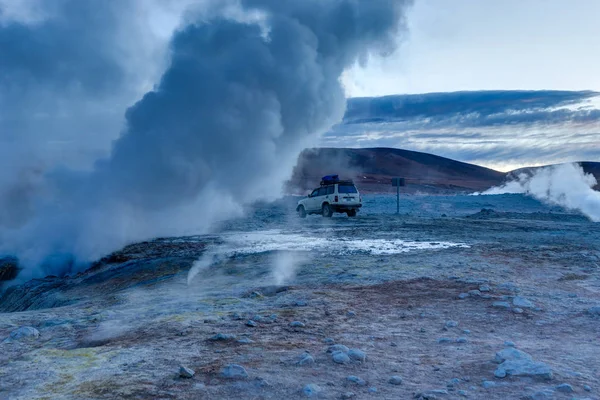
(444, 301)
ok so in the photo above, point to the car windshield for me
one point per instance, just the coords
(347, 189)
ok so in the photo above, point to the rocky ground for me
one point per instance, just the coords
(492, 306)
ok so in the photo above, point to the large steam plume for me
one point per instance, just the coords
(249, 85)
(566, 185)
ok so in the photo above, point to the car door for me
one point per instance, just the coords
(311, 203)
(320, 198)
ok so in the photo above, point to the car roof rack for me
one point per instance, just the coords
(333, 179)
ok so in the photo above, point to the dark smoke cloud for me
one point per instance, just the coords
(250, 84)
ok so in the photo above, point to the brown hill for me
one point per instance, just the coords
(373, 168)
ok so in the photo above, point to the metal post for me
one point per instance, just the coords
(398, 199)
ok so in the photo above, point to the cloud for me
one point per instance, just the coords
(499, 129)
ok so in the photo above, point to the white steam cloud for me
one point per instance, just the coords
(249, 84)
(566, 185)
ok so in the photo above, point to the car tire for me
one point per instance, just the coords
(351, 213)
(301, 212)
(327, 211)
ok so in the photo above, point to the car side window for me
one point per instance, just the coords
(322, 191)
(330, 189)
(314, 193)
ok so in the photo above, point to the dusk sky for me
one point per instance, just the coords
(460, 45)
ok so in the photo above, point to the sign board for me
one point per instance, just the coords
(398, 182)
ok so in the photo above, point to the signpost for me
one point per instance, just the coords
(397, 182)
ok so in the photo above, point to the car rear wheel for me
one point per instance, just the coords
(301, 212)
(327, 211)
(351, 213)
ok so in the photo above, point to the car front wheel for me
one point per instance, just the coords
(301, 212)
(327, 211)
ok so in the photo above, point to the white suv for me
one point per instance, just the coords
(332, 196)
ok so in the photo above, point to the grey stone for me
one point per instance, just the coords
(357, 355)
(300, 303)
(501, 304)
(463, 296)
(372, 390)
(474, 293)
(509, 343)
(451, 324)
(510, 353)
(484, 288)
(524, 368)
(251, 323)
(463, 393)
(462, 340)
(351, 314)
(24, 333)
(453, 382)
(340, 357)
(236, 316)
(357, 380)
(587, 388)
(338, 347)
(297, 324)
(488, 384)
(541, 395)
(444, 340)
(466, 331)
(565, 388)
(306, 359)
(395, 380)
(245, 341)
(311, 390)
(222, 337)
(328, 340)
(185, 372)
(517, 310)
(234, 371)
(348, 395)
(508, 286)
(522, 302)
(594, 311)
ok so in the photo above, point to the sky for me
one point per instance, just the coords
(486, 45)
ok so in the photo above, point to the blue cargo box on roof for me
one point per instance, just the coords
(329, 179)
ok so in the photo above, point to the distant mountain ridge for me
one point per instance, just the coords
(373, 168)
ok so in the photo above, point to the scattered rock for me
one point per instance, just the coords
(587, 388)
(518, 310)
(453, 382)
(540, 395)
(357, 355)
(185, 372)
(351, 314)
(488, 384)
(509, 287)
(347, 395)
(466, 331)
(297, 324)
(222, 337)
(522, 366)
(463, 393)
(251, 323)
(501, 304)
(340, 357)
(338, 347)
(462, 340)
(451, 324)
(594, 311)
(24, 333)
(522, 302)
(474, 293)
(372, 390)
(511, 354)
(236, 317)
(565, 388)
(394, 344)
(430, 394)
(485, 288)
(328, 340)
(234, 371)
(245, 341)
(463, 296)
(444, 340)
(395, 380)
(300, 303)
(357, 380)
(311, 390)
(306, 359)
(509, 343)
